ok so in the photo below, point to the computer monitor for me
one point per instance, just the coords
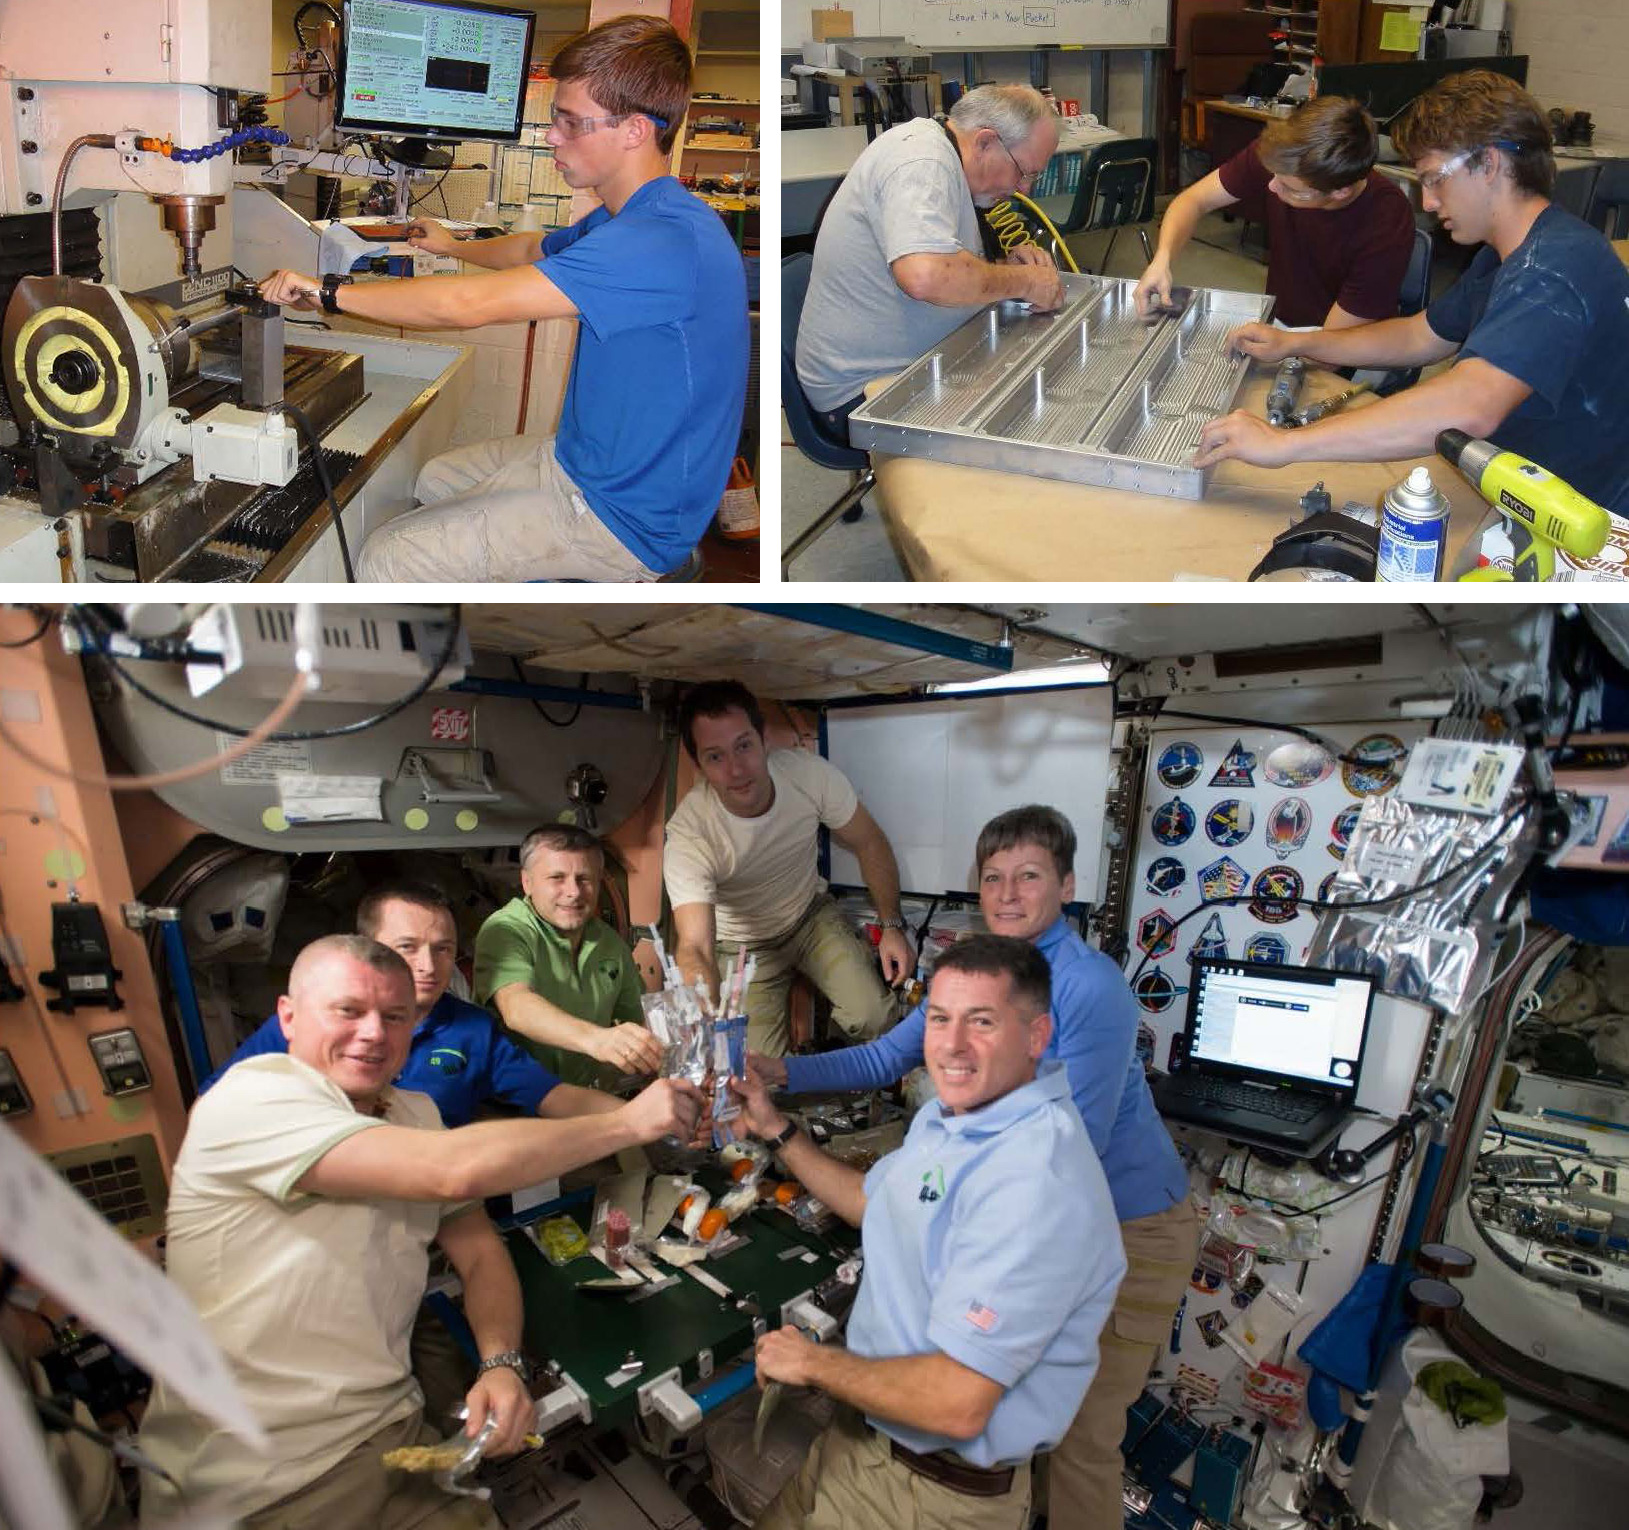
(1303, 1023)
(1387, 88)
(433, 69)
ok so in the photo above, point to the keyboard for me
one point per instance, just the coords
(1266, 1102)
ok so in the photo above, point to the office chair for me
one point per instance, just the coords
(811, 438)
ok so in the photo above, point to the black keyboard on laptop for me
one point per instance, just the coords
(1267, 1102)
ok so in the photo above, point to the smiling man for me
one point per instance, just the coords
(457, 1054)
(898, 262)
(1538, 326)
(304, 1199)
(562, 980)
(991, 1261)
(741, 864)
(1339, 234)
(653, 405)
(1026, 861)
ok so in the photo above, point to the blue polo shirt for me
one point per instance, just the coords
(990, 1237)
(1555, 315)
(458, 1056)
(1094, 1035)
(653, 408)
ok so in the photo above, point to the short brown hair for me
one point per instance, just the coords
(1478, 109)
(1329, 143)
(371, 910)
(713, 698)
(632, 64)
(1024, 967)
(562, 837)
(1044, 827)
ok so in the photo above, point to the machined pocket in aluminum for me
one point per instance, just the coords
(1091, 393)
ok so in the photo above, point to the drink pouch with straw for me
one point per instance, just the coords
(729, 1044)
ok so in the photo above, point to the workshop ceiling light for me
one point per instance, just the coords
(1094, 672)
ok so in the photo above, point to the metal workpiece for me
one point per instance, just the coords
(1090, 393)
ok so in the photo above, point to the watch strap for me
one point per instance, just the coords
(510, 1359)
(780, 1139)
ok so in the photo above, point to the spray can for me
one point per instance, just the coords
(1413, 530)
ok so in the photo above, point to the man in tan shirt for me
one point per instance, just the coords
(741, 869)
(302, 1206)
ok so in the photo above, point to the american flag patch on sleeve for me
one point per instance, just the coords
(981, 1317)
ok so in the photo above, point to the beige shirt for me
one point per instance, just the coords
(758, 873)
(310, 1299)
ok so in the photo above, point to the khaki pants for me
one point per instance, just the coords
(359, 1491)
(835, 957)
(1083, 1473)
(500, 510)
(443, 1371)
(851, 1482)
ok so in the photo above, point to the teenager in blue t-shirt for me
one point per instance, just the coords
(653, 404)
(1539, 324)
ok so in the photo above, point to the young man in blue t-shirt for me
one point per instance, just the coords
(653, 405)
(1539, 323)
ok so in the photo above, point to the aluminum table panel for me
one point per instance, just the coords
(1092, 393)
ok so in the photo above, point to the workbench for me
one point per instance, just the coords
(686, 1327)
(959, 523)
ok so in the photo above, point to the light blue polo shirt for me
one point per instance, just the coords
(1094, 1035)
(990, 1237)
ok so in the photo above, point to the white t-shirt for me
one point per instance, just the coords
(758, 873)
(310, 1299)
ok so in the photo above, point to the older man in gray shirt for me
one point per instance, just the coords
(898, 263)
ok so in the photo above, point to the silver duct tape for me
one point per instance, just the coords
(1437, 947)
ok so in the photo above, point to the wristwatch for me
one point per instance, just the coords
(330, 283)
(890, 924)
(510, 1358)
(780, 1139)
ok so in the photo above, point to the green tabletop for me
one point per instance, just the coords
(591, 1334)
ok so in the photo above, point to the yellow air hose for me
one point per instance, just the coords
(1011, 232)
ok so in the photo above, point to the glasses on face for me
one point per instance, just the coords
(1431, 179)
(1025, 177)
(1306, 194)
(570, 125)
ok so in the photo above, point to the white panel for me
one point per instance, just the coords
(933, 773)
(203, 42)
(959, 25)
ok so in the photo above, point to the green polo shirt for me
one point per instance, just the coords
(600, 983)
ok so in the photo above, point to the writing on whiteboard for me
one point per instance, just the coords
(962, 14)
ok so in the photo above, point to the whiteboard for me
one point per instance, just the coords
(933, 773)
(963, 26)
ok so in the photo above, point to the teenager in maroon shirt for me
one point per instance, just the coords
(1339, 234)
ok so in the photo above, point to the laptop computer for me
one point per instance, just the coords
(1271, 1054)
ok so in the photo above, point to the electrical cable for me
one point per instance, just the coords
(537, 706)
(304, 10)
(1487, 851)
(46, 616)
(1285, 1208)
(305, 736)
(414, 202)
(320, 465)
(261, 733)
(1158, 710)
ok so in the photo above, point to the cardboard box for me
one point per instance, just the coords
(832, 22)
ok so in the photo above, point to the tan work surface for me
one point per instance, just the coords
(951, 522)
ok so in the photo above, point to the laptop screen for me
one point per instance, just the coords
(1296, 1023)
